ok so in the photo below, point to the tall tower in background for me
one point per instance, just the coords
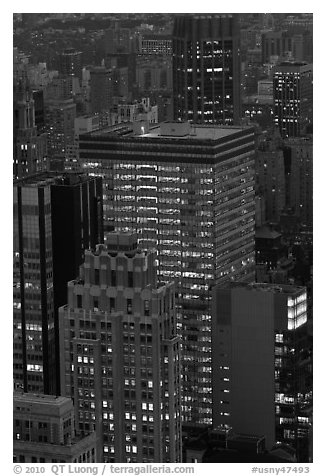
(120, 354)
(206, 68)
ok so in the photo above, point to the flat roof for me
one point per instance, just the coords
(40, 398)
(42, 179)
(196, 131)
(273, 288)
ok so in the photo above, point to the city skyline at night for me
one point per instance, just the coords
(163, 237)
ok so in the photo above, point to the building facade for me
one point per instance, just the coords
(189, 194)
(56, 217)
(258, 333)
(44, 431)
(206, 69)
(120, 354)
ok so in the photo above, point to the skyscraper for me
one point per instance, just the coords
(60, 117)
(293, 105)
(29, 146)
(189, 194)
(258, 348)
(120, 357)
(101, 89)
(206, 68)
(56, 217)
(70, 63)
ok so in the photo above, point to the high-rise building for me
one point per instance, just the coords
(29, 145)
(60, 117)
(44, 431)
(70, 63)
(293, 92)
(120, 358)
(56, 217)
(101, 84)
(259, 344)
(206, 68)
(299, 177)
(189, 194)
(270, 178)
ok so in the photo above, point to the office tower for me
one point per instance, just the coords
(270, 178)
(56, 217)
(298, 154)
(101, 84)
(206, 68)
(29, 146)
(119, 352)
(44, 431)
(292, 98)
(259, 334)
(70, 63)
(60, 117)
(189, 193)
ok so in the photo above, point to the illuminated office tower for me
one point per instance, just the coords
(189, 194)
(119, 354)
(56, 217)
(206, 68)
(293, 106)
(260, 345)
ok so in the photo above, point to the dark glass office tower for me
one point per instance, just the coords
(56, 217)
(206, 68)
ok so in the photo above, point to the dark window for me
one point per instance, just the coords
(113, 277)
(97, 276)
(112, 304)
(95, 304)
(79, 301)
(146, 308)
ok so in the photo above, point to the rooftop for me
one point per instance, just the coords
(37, 398)
(272, 288)
(169, 130)
(43, 179)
